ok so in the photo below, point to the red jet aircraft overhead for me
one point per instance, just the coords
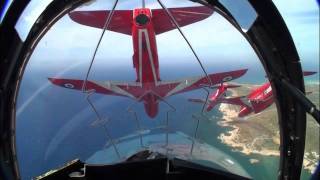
(143, 25)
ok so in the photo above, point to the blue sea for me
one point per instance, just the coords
(56, 125)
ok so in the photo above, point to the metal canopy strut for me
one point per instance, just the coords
(140, 130)
(195, 134)
(185, 38)
(89, 92)
(103, 125)
(310, 107)
(105, 27)
(143, 4)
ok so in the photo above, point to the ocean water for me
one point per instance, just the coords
(60, 127)
(264, 169)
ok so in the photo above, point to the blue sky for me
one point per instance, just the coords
(64, 43)
(214, 39)
(65, 51)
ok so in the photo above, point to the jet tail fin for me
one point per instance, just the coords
(308, 92)
(231, 86)
(233, 100)
(305, 73)
(244, 108)
(309, 73)
(184, 16)
(120, 21)
(202, 101)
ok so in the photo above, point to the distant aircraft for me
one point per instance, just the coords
(143, 25)
(256, 101)
(214, 98)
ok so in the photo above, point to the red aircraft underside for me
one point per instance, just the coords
(256, 101)
(143, 25)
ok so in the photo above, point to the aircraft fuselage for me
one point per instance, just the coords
(145, 58)
(259, 99)
(143, 25)
(215, 96)
(256, 101)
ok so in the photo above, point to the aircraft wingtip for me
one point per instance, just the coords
(52, 80)
(72, 14)
(76, 16)
(243, 71)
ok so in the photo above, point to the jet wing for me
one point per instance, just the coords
(101, 88)
(194, 83)
(184, 16)
(308, 73)
(121, 20)
(168, 88)
(136, 90)
(133, 90)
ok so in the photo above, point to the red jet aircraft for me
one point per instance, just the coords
(258, 99)
(143, 25)
(214, 98)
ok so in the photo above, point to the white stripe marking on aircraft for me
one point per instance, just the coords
(140, 55)
(149, 53)
(150, 56)
(114, 88)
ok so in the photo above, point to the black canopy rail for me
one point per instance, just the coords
(308, 106)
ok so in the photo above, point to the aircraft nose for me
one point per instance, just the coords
(244, 112)
(152, 114)
(151, 109)
(240, 115)
(55, 81)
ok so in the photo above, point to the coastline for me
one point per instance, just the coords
(233, 137)
(309, 161)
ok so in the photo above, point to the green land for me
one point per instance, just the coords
(259, 133)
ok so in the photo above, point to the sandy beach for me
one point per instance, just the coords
(310, 161)
(234, 139)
